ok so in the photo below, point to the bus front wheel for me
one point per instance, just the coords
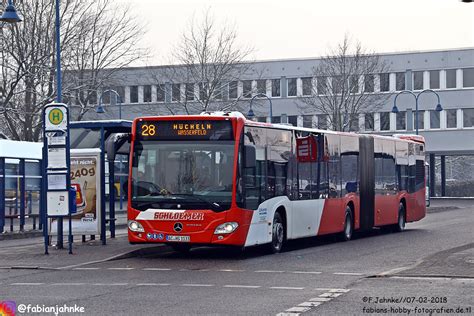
(278, 234)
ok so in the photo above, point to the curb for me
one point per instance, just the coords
(20, 235)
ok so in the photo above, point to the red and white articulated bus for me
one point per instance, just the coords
(219, 179)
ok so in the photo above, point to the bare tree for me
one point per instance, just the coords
(207, 62)
(345, 82)
(95, 35)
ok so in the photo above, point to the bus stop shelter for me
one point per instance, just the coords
(100, 134)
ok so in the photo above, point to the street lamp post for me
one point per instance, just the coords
(251, 114)
(10, 15)
(438, 108)
(100, 109)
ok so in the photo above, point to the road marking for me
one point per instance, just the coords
(110, 284)
(67, 284)
(153, 284)
(86, 268)
(268, 271)
(243, 286)
(298, 309)
(315, 302)
(197, 285)
(286, 288)
(306, 272)
(332, 295)
(310, 304)
(320, 299)
(347, 273)
(156, 269)
(230, 270)
(25, 283)
(120, 269)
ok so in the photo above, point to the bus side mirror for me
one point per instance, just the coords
(250, 156)
(114, 143)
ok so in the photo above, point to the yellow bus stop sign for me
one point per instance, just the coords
(56, 116)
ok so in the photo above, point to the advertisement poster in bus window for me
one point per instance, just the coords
(85, 179)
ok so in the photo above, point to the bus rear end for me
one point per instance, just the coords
(182, 181)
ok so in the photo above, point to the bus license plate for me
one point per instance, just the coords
(178, 238)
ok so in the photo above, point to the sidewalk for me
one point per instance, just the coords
(29, 253)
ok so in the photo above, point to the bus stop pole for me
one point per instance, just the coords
(103, 232)
(22, 193)
(111, 196)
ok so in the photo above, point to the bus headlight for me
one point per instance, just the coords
(226, 228)
(135, 226)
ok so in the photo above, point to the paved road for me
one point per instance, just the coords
(428, 266)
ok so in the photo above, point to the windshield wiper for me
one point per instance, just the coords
(214, 205)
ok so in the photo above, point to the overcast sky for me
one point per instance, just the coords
(306, 28)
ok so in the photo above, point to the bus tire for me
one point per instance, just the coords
(346, 234)
(401, 222)
(278, 234)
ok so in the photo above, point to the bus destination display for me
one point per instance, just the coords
(185, 129)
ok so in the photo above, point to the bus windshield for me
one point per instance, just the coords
(182, 175)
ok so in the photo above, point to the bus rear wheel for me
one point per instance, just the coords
(400, 226)
(278, 234)
(346, 234)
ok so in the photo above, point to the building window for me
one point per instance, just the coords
(323, 121)
(146, 93)
(276, 119)
(468, 77)
(354, 84)
(321, 85)
(293, 120)
(92, 97)
(336, 84)
(451, 118)
(384, 82)
(262, 119)
(308, 121)
(400, 81)
(121, 92)
(418, 80)
(369, 83)
(384, 121)
(307, 86)
(451, 78)
(369, 121)
(247, 88)
(401, 120)
(261, 86)
(189, 91)
(233, 89)
(176, 92)
(435, 119)
(421, 120)
(160, 93)
(133, 94)
(217, 93)
(203, 91)
(468, 117)
(434, 79)
(275, 87)
(292, 87)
